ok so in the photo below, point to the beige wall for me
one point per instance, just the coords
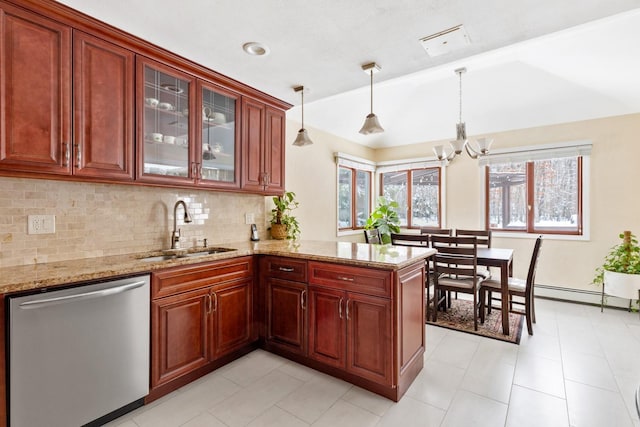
(107, 219)
(614, 206)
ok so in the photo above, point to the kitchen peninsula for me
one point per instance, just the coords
(352, 310)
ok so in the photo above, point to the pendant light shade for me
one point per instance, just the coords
(371, 123)
(303, 138)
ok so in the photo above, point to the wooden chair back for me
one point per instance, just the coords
(456, 256)
(484, 236)
(373, 236)
(403, 239)
(533, 265)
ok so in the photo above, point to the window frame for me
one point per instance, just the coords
(409, 196)
(530, 227)
(354, 176)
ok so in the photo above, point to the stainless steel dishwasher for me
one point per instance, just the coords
(78, 354)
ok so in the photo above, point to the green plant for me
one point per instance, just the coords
(281, 214)
(385, 218)
(622, 258)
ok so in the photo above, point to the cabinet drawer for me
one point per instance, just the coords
(358, 279)
(180, 279)
(284, 268)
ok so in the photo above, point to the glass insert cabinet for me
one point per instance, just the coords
(188, 127)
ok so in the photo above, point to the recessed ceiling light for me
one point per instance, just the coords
(256, 49)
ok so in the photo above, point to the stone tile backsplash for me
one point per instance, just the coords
(95, 220)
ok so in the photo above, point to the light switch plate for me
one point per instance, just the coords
(249, 218)
(41, 224)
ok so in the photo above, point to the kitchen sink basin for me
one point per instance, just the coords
(192, 253)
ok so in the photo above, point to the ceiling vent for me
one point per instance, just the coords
(445, 41)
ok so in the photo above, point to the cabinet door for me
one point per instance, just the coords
(179, 339)
(286, 315)
(327, 326)
(35, 91)
(253, 173)
(218, 131)
(369, 345)
(166, 117)
(274, 151)
(103, 105)
(232, 317)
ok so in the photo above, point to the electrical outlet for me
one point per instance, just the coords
(41, 224)
(249, 218)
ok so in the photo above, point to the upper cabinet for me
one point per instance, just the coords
(166, 111)
(40, 81)
(35, 65)
(263, 148)
(81, 100)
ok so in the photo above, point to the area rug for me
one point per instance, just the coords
(460, 318)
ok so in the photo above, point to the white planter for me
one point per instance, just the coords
(621, 284)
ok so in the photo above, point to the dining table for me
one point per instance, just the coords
(502, 259)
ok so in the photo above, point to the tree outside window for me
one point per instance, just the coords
(424, 194)
(536, 196)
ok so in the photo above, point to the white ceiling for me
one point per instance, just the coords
(530, 62)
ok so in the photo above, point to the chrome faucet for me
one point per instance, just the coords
(175, 234)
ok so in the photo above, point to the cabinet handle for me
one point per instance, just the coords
(215, 301)
(286, 269)
(76, 147)
(199, 170)
(209, 304)
(66, 156)
(194, 170)
(346, 279)
(340, 308)
(303, 304)
(348, 301)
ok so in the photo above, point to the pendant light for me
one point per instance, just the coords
(303, 138)
(371, 123)
(461, 140)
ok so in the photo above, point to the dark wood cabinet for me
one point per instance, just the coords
(351, 331)
(35, 91)
(81, 100)
(200, 315)
(263, 130)
(40, 81)
(285, 298)
(103, 109)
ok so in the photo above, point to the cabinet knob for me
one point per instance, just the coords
(215, 301)
(303, 304)
(340, 308)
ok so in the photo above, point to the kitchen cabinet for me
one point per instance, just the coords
(263, 131)
(284, 282)
(39, 81)
(350, 330)
(200, 315)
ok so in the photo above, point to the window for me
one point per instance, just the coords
(422, 188)
(535, 196)
(354, 197)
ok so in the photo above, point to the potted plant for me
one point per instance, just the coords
(385, 218)
(283, 224)
(620, 274)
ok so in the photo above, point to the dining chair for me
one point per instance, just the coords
(373, 236)
(419, 240)
(456, 264)
(429, 231)
(484, 240)
(517, 288)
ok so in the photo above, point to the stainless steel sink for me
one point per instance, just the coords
(209, 251)
(196, 253)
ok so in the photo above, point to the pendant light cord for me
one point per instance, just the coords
(371, 86)
(460, 93)
(302, 106)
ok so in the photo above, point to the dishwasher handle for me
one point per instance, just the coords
(28, 305)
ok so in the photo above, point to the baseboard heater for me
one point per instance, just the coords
(581, 296)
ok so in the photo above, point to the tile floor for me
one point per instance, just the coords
(581, 368)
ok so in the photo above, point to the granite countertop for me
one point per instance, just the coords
(36, 276)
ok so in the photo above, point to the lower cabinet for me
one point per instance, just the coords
(286, 322)
(352, 332)
(209, 316)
